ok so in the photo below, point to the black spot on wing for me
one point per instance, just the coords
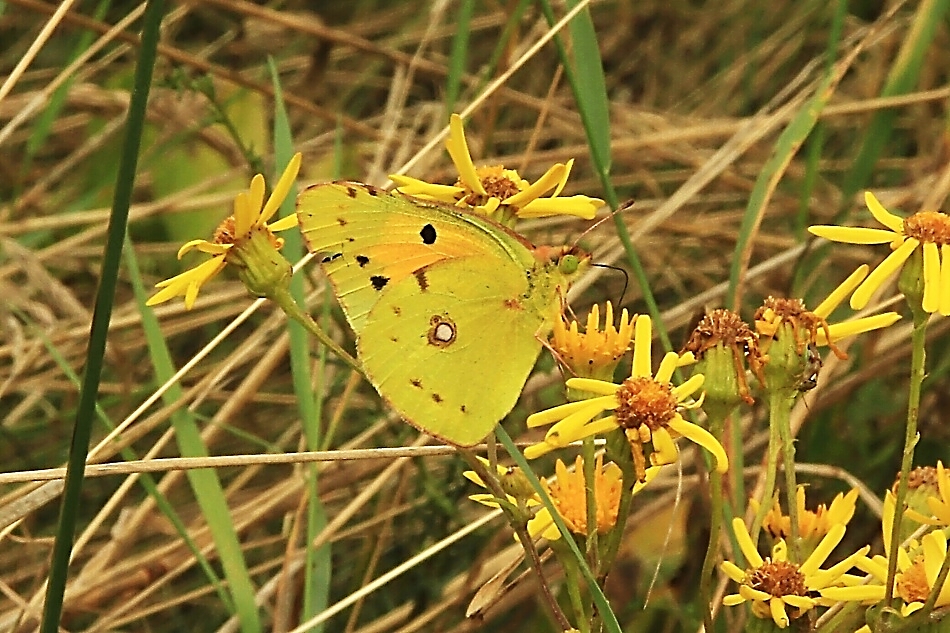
(362, 260)
(341, 221)
(462, 408)
(351, 192)
(437, 398)
(329, 258)
(379, 281)
(417, 383)
(428, 234)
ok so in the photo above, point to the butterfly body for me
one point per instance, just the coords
(449, 308)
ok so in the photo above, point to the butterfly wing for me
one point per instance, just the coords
(451, 346)
(368, 239)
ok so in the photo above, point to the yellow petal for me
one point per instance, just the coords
(884, 270)
(931, 300)
(777, 609)
(731, 570)
(852, 234)
(643, 340)
(704, 438)
(286, 222)
(281, 189)
(882, 215)
(745, 543)
(846, 287)
(461, 157)
(944, 307)
(839, 331)
(247, 206)
(821, 553)
(539, 187)
(579, 206)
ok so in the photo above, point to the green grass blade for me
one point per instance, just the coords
(901, 79)
(459, 54)
(99, 330)
(146, 480)
(603, 607)
(318, 566)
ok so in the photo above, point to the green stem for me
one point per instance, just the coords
(918, 358)
(282, 297)
(519, 525)
(771, 467)
(99, 329)
(717, 422)
(780, 409)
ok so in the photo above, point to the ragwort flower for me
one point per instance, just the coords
(593, 353)
(918, 565)
(241, 240)
(568, 494)
(927, 229)
(813, 525)
(789, 333)
(646, 407)
(498, 192)
(774, 585)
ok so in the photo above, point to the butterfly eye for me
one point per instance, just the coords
(569, 264)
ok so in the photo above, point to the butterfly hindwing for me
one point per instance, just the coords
(453, 361)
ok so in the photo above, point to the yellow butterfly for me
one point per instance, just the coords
(449, 308)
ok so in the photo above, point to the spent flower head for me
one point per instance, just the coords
(498, 192)
(595, 352)
(774, 585)
(927, 230)
(789, 333)
(724, 347)
(645, 407)
(244, 240)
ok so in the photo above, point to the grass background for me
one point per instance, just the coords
(732, 127)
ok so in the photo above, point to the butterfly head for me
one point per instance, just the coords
(568, 261)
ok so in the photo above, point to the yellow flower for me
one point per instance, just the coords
(918, 564)
(769, 318)
(595, 352)
(238, 232)
(645, 407)
(931, 229)
(773, 585)
(789, 334)
(568, 493)
(940, 504)
(812, 524)
(495, 189)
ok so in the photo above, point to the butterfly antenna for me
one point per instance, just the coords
(626, 279)
(621, 209)
(669, 531)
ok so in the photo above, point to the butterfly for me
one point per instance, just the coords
(449, 308)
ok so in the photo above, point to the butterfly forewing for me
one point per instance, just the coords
(367, 239)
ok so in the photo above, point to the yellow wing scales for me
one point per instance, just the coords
(367, 238)
(455, 382)
(449, 308)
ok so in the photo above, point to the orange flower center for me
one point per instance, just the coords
(224, 234)
(919, 477)
(912, 583)
(928, 226)
(496, 182)
(778, 578)
(645, 401)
